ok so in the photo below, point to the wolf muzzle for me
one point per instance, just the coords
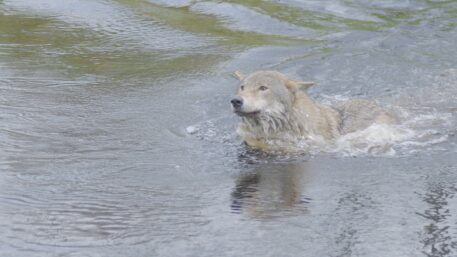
(237, 102)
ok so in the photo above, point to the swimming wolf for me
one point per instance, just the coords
(276, 113)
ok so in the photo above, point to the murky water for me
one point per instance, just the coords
(117, 137)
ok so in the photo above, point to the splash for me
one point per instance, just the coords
(377, 139)
(414, 133)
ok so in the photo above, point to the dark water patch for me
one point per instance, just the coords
(438, 235)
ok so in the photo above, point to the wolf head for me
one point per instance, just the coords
(266, 96)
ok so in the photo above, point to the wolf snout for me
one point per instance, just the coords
(237, 102)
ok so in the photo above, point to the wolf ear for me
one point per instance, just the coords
(295, 85)
(239, 75)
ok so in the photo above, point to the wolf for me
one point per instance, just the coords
(276, 113)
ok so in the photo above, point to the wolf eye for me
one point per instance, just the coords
(263, 88)
(242, 87)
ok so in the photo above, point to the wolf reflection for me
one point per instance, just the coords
(271, 190)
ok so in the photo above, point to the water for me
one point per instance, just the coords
(117, 137)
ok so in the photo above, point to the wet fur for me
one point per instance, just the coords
(291, 115)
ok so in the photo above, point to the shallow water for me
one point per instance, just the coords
(117, 137)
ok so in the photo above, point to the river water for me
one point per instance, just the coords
(117, 137)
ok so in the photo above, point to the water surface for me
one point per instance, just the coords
(117, 137)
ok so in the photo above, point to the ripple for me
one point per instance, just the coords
(92, 216)
(113, 21)
(241, 18)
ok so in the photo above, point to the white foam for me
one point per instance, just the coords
(376, 139)
(191, 130)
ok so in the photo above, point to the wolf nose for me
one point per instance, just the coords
(237, 102)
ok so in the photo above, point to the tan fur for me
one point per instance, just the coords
(277, 113)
